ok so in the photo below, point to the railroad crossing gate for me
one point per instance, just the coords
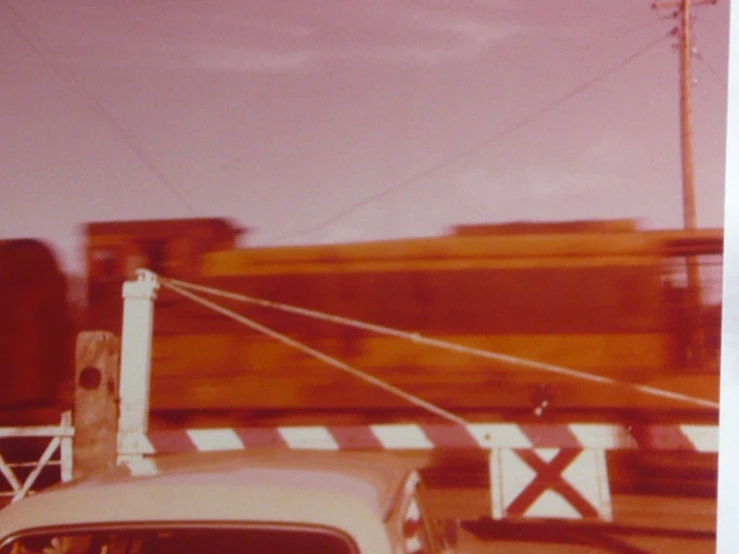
(565, 483)
(556, 471)
(539, 471)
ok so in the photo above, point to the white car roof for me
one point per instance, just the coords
(351, 492)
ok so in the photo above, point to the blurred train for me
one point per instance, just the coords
(601, 297)
(36, 328)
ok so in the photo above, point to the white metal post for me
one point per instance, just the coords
(65, 448)
(136, 343)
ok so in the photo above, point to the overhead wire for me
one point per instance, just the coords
(621, 32)
(51, 59)
(451, 160)
(721, 79)
(698, 55)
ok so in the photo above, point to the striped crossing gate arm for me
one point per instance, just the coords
(696, 438)
(551, 471)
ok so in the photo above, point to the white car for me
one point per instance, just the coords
(236, 503)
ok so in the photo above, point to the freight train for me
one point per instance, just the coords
(598, 297)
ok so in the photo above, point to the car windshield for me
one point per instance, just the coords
(182, 540)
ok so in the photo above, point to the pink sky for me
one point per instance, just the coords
(280, 115)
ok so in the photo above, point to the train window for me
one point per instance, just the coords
(106, 264)
(156, 255)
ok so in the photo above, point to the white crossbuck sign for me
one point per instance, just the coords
(549, 483)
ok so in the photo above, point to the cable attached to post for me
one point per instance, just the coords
(170, 284)
(417, 338)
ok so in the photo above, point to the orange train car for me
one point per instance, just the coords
(593, 296)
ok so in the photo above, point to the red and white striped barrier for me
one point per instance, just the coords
(696, 438)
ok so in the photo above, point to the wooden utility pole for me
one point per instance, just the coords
(695, 311)
(686, 126)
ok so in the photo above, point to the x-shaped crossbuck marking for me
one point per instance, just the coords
(549, 477)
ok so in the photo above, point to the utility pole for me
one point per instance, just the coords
(684, 29)
(686, 126)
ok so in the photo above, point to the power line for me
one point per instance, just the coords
(474, 148)
(622, 31)
(721, 79)
(50, 58)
